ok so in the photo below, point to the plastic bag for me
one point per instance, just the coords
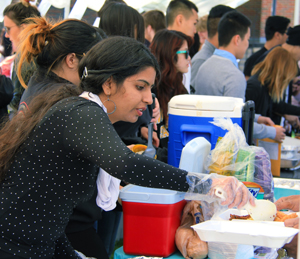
(186, 239)
(233, 156)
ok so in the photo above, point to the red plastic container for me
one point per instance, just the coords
(149, 228)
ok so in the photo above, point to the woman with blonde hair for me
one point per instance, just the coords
(269, 80)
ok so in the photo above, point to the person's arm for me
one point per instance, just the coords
(289, 202)
(264, 120)
(64, 249)
(102, 146)
(261, 131)
(90, 134)
(286, 108)
(292, 246)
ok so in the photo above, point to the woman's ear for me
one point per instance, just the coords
(72, 61)
(107, 86)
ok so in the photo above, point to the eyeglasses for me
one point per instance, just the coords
(186, 52)
(7, 29)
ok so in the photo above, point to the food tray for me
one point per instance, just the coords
(245, 232)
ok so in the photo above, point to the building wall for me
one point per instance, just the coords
(252, 9)
(259, 10)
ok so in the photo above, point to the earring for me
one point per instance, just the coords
(109, 100)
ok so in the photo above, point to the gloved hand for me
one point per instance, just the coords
(212, 187)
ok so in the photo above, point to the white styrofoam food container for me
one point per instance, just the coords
(248, 232)
(245, 232)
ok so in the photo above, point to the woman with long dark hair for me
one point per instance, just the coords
(50, 155)
(57, 51)
(171, 49)
(117, 18)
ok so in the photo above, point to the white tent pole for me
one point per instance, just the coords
(67, 10)
(44, 7)
(296, 13)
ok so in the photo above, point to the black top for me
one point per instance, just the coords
(6, 94)
(56, 169)
(260, 95)
(40, 81)
(252, 61)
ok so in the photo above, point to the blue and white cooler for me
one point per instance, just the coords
(190, 117)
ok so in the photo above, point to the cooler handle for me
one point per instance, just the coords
(187, 128)
(248, 116)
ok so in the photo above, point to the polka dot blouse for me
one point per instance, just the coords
(56, 168)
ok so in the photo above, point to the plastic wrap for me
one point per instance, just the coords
(228, 191)
(233, 156)
(187, 240)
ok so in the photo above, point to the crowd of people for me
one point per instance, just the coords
(80, 96)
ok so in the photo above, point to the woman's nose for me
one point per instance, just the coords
(148, 97)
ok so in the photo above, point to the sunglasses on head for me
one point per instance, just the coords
(186, 52)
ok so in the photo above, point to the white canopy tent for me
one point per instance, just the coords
(80, 6)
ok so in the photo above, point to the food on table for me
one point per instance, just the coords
(246, 217)
(280, 216)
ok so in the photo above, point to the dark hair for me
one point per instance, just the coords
(214, 17)
(49, 44)
(176, 7)
(116, 57)
(107, 2)
(122, 20)
(164, 46)
(231, 24)
(156, 19)
(19, 12)
(6, 43)
(293, 36)
(276, 24)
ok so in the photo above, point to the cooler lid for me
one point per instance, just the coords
(134, 193)
(205, 102)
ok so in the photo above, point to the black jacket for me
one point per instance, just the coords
(6, 94)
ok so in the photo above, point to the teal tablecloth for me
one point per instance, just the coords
(119, 254)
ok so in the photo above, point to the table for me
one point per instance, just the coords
(278, 192)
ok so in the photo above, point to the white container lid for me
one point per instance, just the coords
(206, 106)
(134, 193)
